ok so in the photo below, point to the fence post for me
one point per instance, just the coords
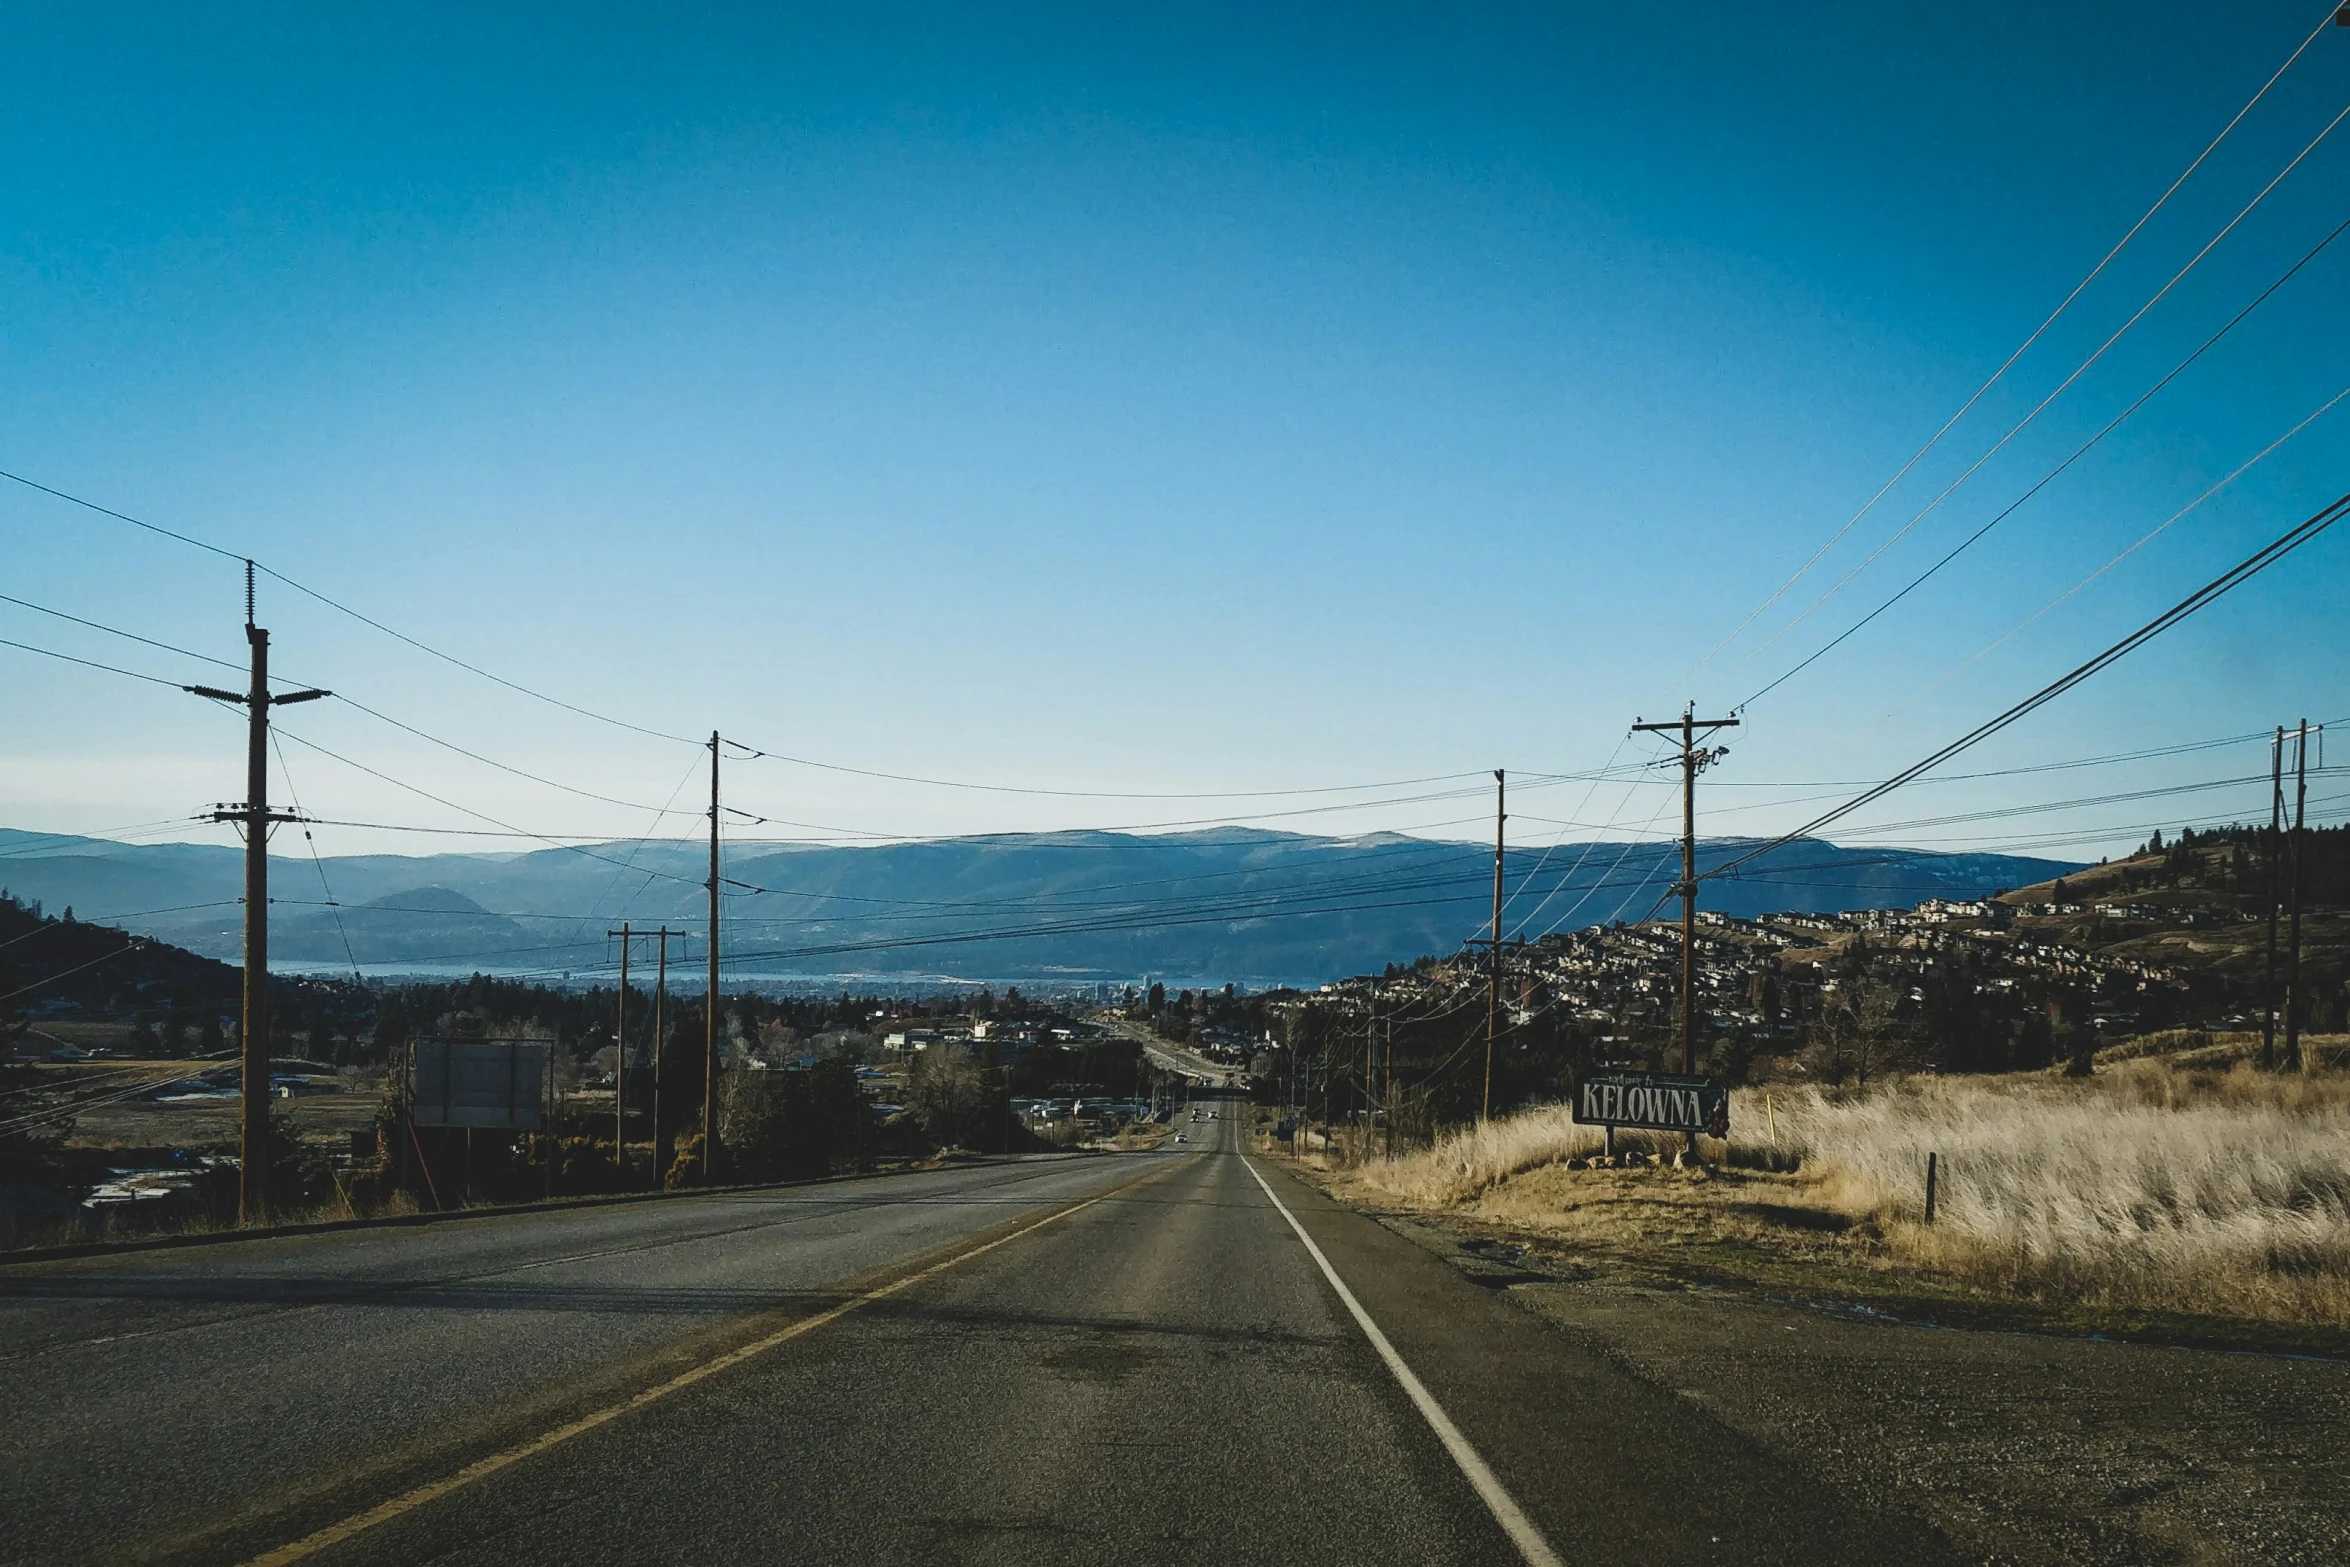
(1931, 1162)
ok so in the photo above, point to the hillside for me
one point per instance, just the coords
(1225, 904)
(2199, 904)
(51, 966)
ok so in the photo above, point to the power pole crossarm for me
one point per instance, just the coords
(1694, 759)
(255, 817)
(2294, 999)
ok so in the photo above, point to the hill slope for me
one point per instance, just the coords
(1223, 904)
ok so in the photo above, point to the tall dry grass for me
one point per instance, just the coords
(2145, 1186)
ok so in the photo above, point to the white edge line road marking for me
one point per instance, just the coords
(408, 1501)
(1488, 1487)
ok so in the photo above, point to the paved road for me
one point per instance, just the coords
(1176, 1059)
(1067, 1360)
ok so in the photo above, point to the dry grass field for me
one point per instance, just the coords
(2157, 1185)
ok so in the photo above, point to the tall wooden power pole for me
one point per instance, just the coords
(1493, 950)
(2276, 850)
(1694, 760)
(2293, 999)
(620, 1059)
(710, 1057)
(1387, 1085)
(660, 999)
(256, 818)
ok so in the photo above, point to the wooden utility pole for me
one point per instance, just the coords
(620, 1060)
(1493, 951)
(2276, 848)
(1387, 1085)
(660, 997)
(256, 818)
(2293, 999)
(710, 1060)
(1694, 760)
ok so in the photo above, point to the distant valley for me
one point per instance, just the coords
(1226, 904)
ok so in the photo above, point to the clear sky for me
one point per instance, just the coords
(1154, 399)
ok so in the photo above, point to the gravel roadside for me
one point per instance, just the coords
(2022, 1448)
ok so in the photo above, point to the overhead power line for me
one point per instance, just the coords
(750, 753)
(108, 919)
(2021, 349)
(2142, 541)
(117, 631)
(2243, 571)
(91, 663)
(2042, 405)
(2077, 454)
(507, 828)
(745, 751)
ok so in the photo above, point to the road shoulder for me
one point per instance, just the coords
(2016, 1446)
(1602, 1459)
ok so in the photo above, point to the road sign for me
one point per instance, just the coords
(478, 1082)
(1653, 1102)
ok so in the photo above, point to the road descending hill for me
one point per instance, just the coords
(1183, 1356)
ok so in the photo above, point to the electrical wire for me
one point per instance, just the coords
(751, 753)
(744, 751)
(2078, 453)
(2259, 561)
(51, 842)
(2009, 363)
(486, 761)
(107, 919)
(2038, 408)
(287, 773)
(2144, 540)
(117, 631)
(130, 944)
(91, 663)
(506, 827)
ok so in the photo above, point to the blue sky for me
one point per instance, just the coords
(1152, 399)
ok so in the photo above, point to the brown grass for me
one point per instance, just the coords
(2150, 1186)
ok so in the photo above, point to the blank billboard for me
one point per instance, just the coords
(481, 1082)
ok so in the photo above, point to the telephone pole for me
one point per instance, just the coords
(2293, 1062)
(1387, 1084)
(710, 1058)
(620, 1059)
(1492, 944)
(2276, 849)
(660, 996)
(1694, 760)
(256, 818)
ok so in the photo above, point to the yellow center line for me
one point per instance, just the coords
(358, 1523)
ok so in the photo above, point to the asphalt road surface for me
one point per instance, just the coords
(1174, 1058)
(1168, 1357)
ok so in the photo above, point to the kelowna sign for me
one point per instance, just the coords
(1652, 1101)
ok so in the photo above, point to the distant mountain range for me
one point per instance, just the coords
(1225, 904)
